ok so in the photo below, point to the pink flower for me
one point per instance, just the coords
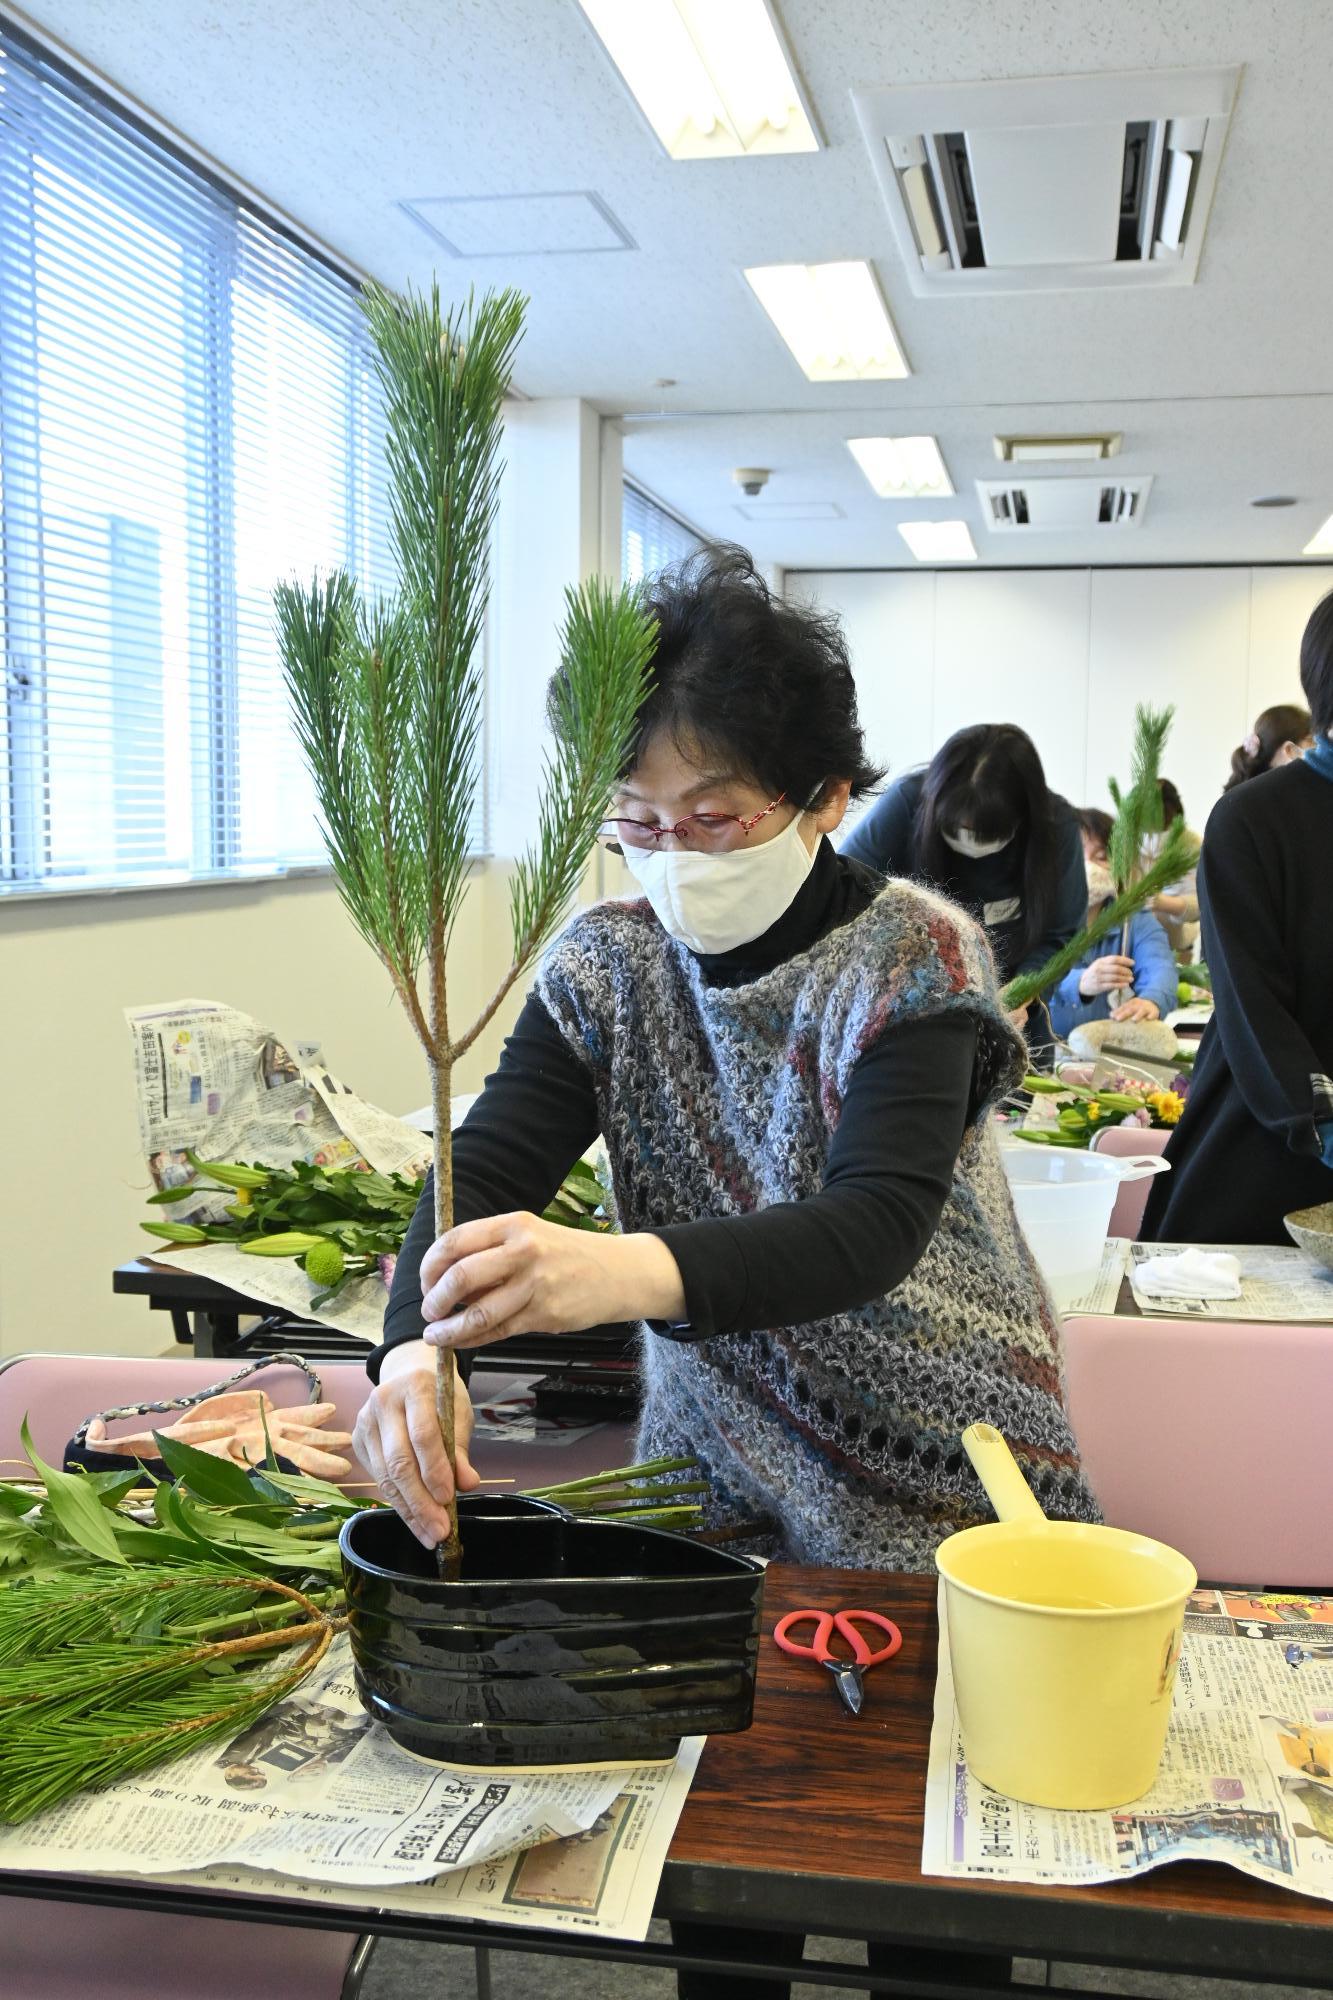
(1142, 1118)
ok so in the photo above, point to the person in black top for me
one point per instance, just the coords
(980, 823)
(1256, 1137)
(731, 661)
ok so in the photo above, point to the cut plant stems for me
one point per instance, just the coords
(388, 702)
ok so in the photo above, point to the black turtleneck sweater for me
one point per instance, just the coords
(889, 1168)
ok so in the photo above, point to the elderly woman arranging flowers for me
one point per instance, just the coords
(793, 1065)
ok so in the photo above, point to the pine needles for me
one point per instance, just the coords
(388, 698)
(1137, 878)
(106, 1673)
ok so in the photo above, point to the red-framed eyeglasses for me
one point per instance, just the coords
(706, 828)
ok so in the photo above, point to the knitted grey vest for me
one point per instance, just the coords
(844, 1432)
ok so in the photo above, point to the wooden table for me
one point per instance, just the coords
(811, 1821)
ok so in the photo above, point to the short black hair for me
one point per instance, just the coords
(741, 671)
(1317, 665)
(1095, 823)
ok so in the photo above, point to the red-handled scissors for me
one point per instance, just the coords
(848, 1675)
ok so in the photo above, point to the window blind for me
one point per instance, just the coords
(188, 413)
(651, 538)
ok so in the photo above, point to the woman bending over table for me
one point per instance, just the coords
(793, 1065)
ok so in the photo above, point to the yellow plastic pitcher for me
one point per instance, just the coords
(1064, 1640)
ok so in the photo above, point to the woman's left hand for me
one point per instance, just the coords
(483, 1281)
(1137, 1010)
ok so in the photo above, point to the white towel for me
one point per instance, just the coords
(1190, 1274)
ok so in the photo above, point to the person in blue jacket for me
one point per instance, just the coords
(981, 824)
(1145, 976)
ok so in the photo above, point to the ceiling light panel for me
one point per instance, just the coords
(1321, 542)
(712, 77)
(833, 318)
(903, 468)
(938, 541)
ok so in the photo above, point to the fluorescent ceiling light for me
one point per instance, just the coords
(938, 541)
(1321, 542)
(833, 319)
(907, 468)
(711, 76)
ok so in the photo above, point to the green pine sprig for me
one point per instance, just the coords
(96, 1686)
(1176, 856)
(388, 699)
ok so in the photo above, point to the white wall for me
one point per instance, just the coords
(1066, 654)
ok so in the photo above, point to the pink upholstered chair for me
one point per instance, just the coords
(57, 1391)
(1211, 1435)
(1124, 1141)
(67, 1951)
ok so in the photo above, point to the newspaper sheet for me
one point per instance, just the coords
(315, 1793)
(213, 1081)
(1247, 1776)
(602, 1882)
(1277, 1282)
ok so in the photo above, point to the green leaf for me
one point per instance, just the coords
(75, 1504)
(17, 1542)
(268, 1546)
(14, 1500)
(289, 1486)
(209, 1478)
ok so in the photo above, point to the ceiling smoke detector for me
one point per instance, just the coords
(1049, 183)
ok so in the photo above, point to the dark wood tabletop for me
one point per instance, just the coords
(813, 1820)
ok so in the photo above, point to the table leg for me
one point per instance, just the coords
(483, 1958)
(215, 1334)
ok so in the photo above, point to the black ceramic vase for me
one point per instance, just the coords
(564, 1641)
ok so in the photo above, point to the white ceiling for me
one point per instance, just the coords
(337, 110)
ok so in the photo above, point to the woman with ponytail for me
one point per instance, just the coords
(1280, 735)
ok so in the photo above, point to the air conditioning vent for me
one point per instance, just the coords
(1052, 183)
(1058, 505)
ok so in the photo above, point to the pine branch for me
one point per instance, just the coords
(96, 1689)
(606, 648)
(1139, 810)
(1178, 853)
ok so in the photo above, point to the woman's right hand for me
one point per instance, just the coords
(1104, 975)
(397, 1439)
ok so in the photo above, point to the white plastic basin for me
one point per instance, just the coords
(1063, 1199)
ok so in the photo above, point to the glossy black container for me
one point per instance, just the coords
(564, 1641)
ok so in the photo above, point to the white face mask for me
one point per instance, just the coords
(963, 841)
(1101, 882)
(714, 902)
